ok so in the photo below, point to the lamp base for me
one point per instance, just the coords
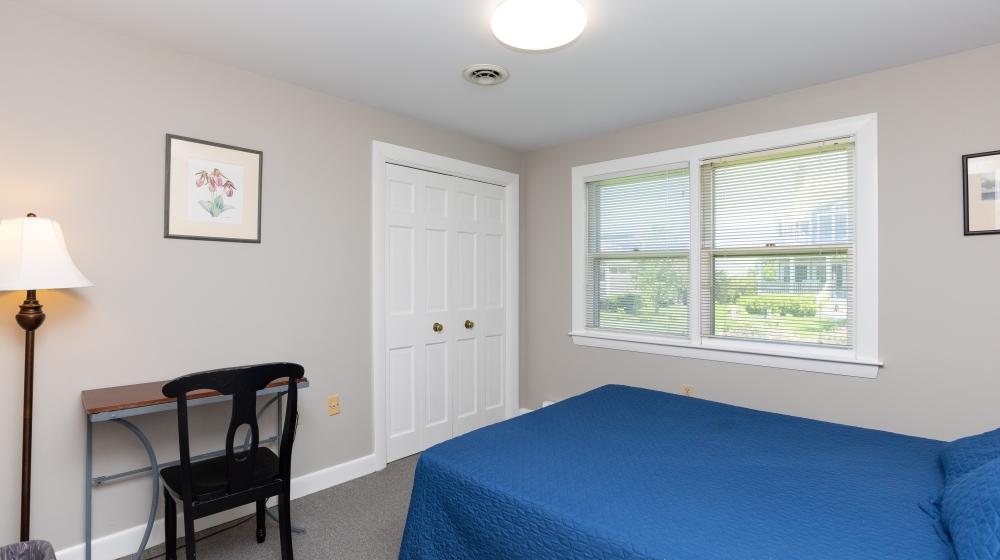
(30, 318)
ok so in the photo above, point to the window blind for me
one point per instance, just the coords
(638, 243)
(777, 245)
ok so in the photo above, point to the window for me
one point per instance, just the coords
(759, 250)
(789, 210)
(638, 240)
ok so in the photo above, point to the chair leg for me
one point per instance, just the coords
(170, 525)
(189, 536)
(261, 529)
(285, 524)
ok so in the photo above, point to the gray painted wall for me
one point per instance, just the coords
(83, 114)
(939, 318)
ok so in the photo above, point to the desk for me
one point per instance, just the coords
(115, 404)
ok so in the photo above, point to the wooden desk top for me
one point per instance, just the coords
(144, 394)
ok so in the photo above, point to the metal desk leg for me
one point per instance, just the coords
(156, 482)
(281, 422)
(295, 528)
(263, 409)
(90, 477)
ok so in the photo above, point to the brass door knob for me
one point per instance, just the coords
(469, 324)
(437, 327)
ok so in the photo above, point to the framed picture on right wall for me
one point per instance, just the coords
(981, 192)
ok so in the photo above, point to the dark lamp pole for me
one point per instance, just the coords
(30, 318)
(33, 256)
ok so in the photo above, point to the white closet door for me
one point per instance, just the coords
(492, 323)
(467, 292)
(404, 287)
(438, 232)
(479, 305)
(445, 265)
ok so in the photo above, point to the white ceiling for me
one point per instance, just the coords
(638, 61)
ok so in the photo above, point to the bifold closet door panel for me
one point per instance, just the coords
(492, 325)
(438, 233)
(404, 308)
(467, 293)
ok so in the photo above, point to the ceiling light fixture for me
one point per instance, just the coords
(486, 74)
(538, 25)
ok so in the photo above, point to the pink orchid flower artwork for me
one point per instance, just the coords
(215, 180)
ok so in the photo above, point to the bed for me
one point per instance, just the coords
(622, 472)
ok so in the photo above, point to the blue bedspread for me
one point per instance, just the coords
(621, 472)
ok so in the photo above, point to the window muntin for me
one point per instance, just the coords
(777, 245)
(637, 258)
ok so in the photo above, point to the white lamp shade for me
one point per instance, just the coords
(33, 256)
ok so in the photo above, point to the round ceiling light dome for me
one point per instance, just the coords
(538, 25)
(486, 74)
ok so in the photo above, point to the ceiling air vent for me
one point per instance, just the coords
(486, 74)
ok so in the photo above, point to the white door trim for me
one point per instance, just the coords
(382, 154)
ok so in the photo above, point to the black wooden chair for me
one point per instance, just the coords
(240, 477)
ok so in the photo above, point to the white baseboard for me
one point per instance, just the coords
(332, 476)
(523, 411)
(124, 543)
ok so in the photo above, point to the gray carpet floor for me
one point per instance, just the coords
(359, 520)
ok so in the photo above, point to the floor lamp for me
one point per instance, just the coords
(33, 256)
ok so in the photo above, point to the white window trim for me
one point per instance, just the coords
(860, 361)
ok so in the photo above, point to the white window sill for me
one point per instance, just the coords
(837, 362)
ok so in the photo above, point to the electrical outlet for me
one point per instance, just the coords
(333, 405)
(687, 390)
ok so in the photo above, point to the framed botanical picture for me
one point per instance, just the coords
(213, 191)
(982, 202)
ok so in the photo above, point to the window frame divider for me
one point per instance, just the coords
(694, 260)
(637, 255)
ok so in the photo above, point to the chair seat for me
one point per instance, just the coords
(211, 476)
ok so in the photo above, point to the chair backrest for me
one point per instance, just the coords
(242, 383)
